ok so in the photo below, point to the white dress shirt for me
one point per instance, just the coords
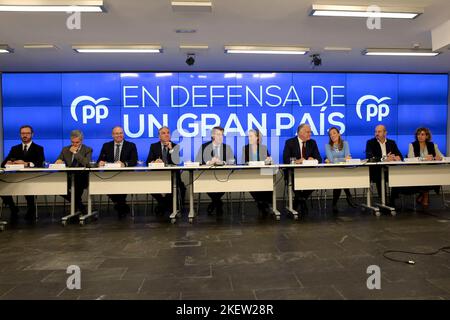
(31, 164)
(383, 148)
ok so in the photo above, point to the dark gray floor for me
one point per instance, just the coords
(319, 257)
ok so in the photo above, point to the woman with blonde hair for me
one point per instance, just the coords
(256, 151)
(337, 150)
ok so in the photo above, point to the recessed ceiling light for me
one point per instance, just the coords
(365, 12)
(400, 52)
(337, 49)
(193, 5)
(52, 6)
(117, 48)
(40, 46)
(266, 49)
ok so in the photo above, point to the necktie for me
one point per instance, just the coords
(304, 149)
(216, 151)
(25, 149)
(117, 154)
(74, 162)
(164, 155)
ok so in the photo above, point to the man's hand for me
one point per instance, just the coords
(213, 161)
(348, 157)
(21, 162)
(299, 161)
(438, 158)
(428, 157)
(73, 149)
(59, 161)
(9, 162)
(101, 163)
(157, 161)
(169, 145)
(121, 163)
(390, 157)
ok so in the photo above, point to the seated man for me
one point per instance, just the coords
(30, 155)
(212, 153)
(300, 148)
(74, 156)
(167, 152)
(122, 152)
(379, 149)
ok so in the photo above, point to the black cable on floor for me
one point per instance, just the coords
(445, 249)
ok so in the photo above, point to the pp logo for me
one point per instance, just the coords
(373, 110)
(90, 108)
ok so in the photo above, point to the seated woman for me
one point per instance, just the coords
(337, 150)
(428, 151)
(255, 151)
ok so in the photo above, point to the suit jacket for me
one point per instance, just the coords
(206, 153)
(373, 149)
(292, 150)
(155, 152)
(34, 154)
(83, 156)
(262, 153)
(128, 154)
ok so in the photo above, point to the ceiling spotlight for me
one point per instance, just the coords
(190, 59)
(316, 60)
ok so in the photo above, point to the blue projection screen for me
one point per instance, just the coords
(190, 104)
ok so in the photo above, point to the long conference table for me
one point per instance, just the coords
(228, 178)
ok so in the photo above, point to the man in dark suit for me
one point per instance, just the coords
(124, 153)
(167, 152)
(30, 155)
(77, 155)
(300, 148)
(212, 153)
(379, 149)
